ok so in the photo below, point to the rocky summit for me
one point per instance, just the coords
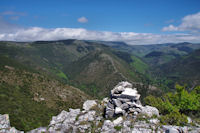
(121, 113)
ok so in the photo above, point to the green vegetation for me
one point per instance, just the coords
(118, 128)
(174, 118)
(182, 70)
(92, 67)
(175, 106)
(139, 65)
(31, 98)
(25, 114)
(62, 75)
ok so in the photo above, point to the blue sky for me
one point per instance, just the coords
(138, 16)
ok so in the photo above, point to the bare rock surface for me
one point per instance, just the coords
(87, 105)
(5, 125)
(150, 111)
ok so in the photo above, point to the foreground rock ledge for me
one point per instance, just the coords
(124, 113)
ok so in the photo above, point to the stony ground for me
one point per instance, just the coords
(121, 113)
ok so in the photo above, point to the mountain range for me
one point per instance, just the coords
(50, 76)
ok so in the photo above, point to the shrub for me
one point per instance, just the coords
(186, 101)
(174, 118)
(164, 106)
(175, 106)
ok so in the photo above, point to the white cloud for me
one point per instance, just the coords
(82, 20)
(189, 23)
(11, 32)
(170, 28)
(37, 33)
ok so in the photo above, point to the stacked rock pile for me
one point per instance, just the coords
(124, 100)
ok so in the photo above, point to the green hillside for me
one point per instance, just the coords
(166, 63)
(93, 67)
(30, 98)
(184, 69)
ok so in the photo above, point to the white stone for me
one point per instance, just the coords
(117, 102)
(105, 100)
(170, 129)
(118, 121)
(63, 121)
(84, 127)
(59, 118)
(88, 116)
(5, 125)
(118, 110)
(149, 111)
(89, 104)
(42, 99)
(125, 84)
(4, 121)
(154, 121)
(189, 120)
(131, 92)
(121, 86)
(108, 127)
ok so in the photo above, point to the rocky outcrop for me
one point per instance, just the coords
(125, 101)
(124, 108)
(5, 125)
(89, 104)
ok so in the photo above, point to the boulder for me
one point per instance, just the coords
(87, 105)
(118, 121)
(171, 129)
(149, 111)
(189, 120)
(90, 116)
(133, 104)
(124, 100)
(109, 113)
(130, 93)
(63, 121)
(126, 127)
(105, 100)
(124, 106)
(108, 127)
(117, 102)
(83, 128)
(110, 105)
(5, 125)
(120, 87)
(60, 118)
(4, 121)
(141, 130)
(118, 110)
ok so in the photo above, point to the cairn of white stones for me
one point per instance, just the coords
(124, 100)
